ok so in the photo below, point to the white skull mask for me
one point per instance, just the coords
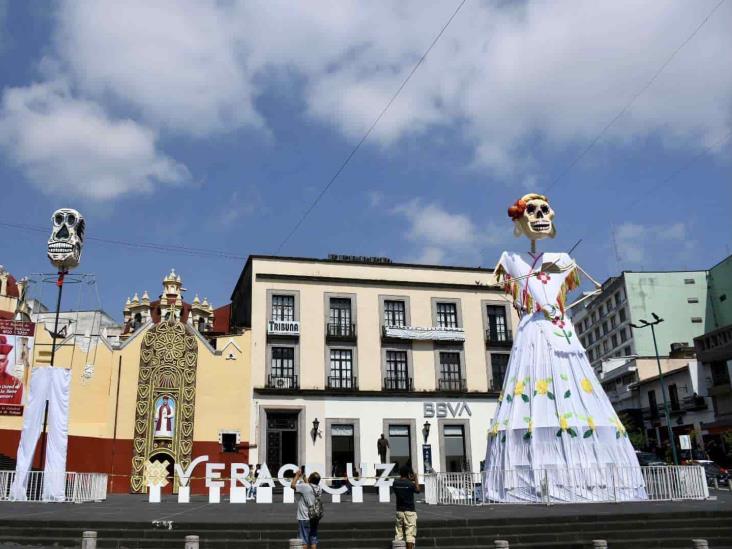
(67, 239)
(537, 222)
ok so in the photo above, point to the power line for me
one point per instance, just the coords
(168, 248)
(630, 103)
(368, 132)
(679, 170)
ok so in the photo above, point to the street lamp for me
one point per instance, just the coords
(646, 324)
(426, 431)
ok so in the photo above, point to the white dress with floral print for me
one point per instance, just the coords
(555, 435)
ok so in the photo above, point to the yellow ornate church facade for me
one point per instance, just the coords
(176, 384)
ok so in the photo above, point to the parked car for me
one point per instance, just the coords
(697, 456)
(712, 472)
(648, 459)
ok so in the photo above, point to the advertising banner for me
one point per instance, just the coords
(16, 350)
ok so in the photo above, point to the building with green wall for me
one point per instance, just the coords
(604, 322)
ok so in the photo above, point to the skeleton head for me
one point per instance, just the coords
(67, 238)
(536, 221)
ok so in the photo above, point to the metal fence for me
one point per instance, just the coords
(79, 487)
(567, 485)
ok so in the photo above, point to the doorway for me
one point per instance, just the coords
(400, 446)
(342, 449)
(282, 439)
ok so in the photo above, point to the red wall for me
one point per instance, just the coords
(102, 455)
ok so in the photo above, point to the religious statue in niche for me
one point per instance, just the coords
(164, 417)
(555, 435)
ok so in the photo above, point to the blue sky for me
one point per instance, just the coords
(214, 125)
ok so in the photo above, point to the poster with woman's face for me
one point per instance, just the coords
(164, 418)
(16, 350)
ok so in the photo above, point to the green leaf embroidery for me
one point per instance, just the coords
(567, 393)
(527, 435)
(527, 418)
(534, 393)
(617, 434)
(565, 377)
(509, 398)
(572, 432)
(550, 395)
(559, 433)
(503, 437)
(524, 398)
(588, 433)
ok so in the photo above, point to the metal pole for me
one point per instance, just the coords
(665, 401)
(60, 284)
(114, 435)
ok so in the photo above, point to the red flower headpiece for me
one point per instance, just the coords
(517, 210)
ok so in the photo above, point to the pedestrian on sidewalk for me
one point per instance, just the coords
(404, 489)
(309, 507)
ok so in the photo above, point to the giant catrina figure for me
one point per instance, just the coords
(555, 435)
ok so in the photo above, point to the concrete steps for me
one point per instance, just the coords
(636, 531)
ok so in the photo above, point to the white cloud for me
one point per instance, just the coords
(68, 146)
(242, 204)
(442, 236)
(506, 73)
(178, 63)
(510, 76)
(653, 246)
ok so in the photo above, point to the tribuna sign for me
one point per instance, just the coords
(239, 483)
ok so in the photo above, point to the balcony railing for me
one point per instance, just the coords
(686, 404)
(498, 338)
(343, 383)
(397, 383)
(340, 331)
(282, 382)
(451, 384)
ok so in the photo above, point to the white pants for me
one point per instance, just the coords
(52, 385)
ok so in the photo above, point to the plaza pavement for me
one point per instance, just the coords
(135, 508)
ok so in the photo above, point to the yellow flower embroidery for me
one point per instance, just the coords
(620, 430)
(586, 385)
(494, 429)
(542, 387)
(519, 388)
(500, 397)
(591, 423)
(564, 425)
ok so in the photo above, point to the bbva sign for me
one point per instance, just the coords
(239, 484)
(446, 409)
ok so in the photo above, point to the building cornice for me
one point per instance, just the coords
(470, 395)
(350, 281)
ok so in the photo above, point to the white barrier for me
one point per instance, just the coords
(571, 485)
(80, 487)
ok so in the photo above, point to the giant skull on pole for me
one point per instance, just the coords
(67, 239)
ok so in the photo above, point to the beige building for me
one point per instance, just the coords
(348, 348)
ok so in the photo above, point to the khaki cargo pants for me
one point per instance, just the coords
(406, 526)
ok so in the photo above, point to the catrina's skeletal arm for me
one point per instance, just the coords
(586, 295)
